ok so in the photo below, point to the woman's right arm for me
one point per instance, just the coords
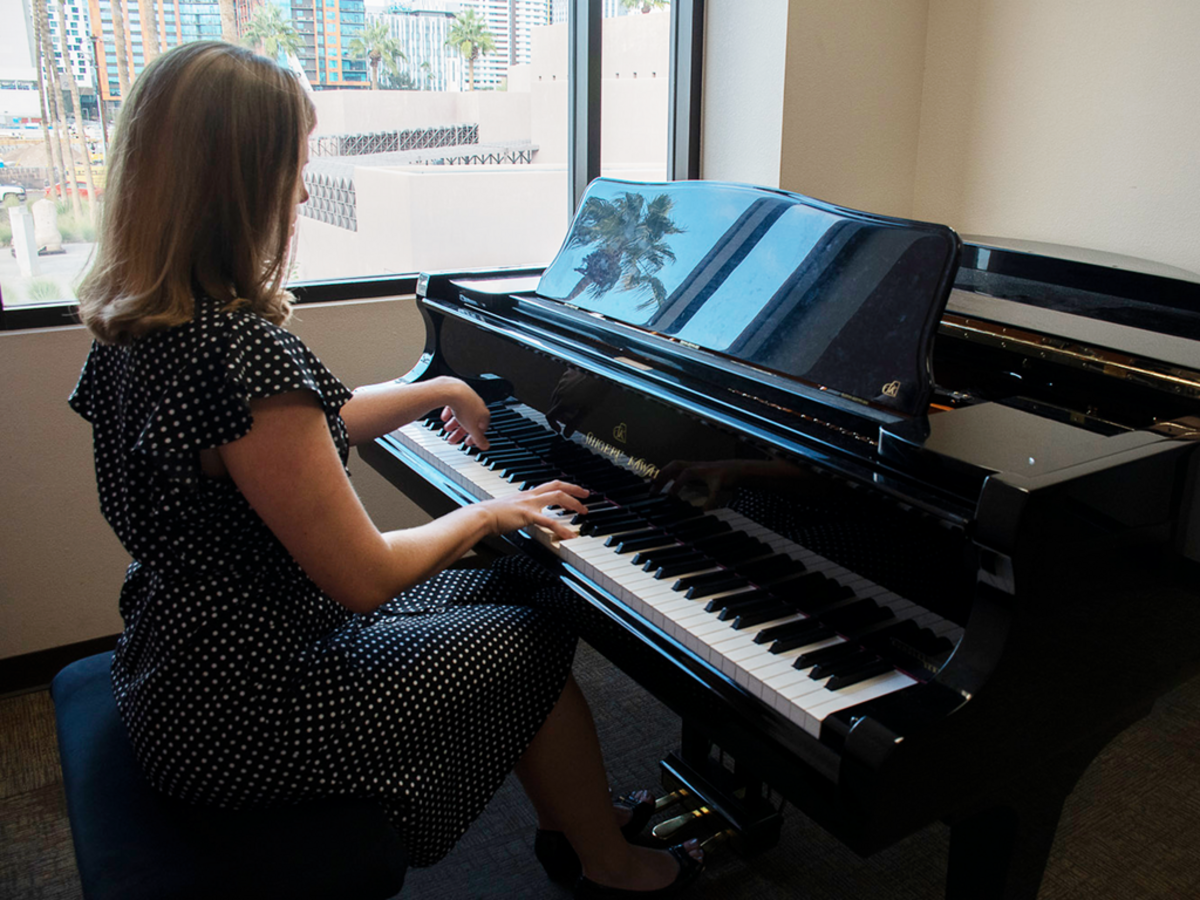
(289, 470)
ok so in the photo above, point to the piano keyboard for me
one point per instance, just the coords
(845, 640)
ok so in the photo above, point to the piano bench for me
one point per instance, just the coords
(133, 843)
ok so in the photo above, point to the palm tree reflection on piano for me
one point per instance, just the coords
(630, 249)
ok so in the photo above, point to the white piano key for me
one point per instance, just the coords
(770, 677)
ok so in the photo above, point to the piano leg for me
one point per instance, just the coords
(999, 850)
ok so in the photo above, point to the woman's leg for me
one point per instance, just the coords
(562, 771)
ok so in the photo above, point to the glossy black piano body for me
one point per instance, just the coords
(1023, 471)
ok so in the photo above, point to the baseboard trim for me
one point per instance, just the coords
(34, 671)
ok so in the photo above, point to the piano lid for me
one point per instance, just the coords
(840, 299)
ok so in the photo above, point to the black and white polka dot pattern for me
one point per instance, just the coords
(243, 684)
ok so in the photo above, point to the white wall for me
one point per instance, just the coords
(745, 59)
(425, 218)
(61, 567)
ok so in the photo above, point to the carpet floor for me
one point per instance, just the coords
(1130, 831)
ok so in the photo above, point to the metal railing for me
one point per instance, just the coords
(392, 141)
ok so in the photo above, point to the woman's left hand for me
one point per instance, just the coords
(466, 417)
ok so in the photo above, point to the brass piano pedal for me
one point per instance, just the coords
(714, 841)
(665, 830)
(668, 800)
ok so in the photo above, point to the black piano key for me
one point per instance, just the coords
(614, 526)
(693, 529)
(530, 476)
(905, 641)
(829, 654)
(853, 616)
(658, 555)
(765, 612)
(733, 552)
(846, 666)
(817, 633)
(696, 586)
(679, 567)
(716, 604)
(798, 628)
(610, 513)
(743, 602)
(812, 598)
(870, 670)
(672, 519)
(655, 502)
(642, 540)
(770, 569)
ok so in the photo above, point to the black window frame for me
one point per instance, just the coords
(583, 112)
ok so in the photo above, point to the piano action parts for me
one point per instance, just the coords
(903, 530)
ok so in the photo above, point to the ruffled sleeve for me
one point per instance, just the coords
(228, 360)
(81, 399)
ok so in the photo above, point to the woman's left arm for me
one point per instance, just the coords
(376, 409)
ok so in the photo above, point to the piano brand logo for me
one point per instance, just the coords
(891, 389)
(621, 433)
(642, 467)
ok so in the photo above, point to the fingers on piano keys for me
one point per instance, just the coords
(804, 635)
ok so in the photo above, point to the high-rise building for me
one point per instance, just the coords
(421, 29)
(511, 24)
(76, 29)
(172, 21)
(327, 28)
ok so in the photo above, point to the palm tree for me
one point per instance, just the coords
(470, 37)
(229, 29)
(377, 45)
(69, 75)
(268, 32)
(120, 50)
(37, 39)
(54, 99)
(645, 5)
(149, 17)
(629, 234)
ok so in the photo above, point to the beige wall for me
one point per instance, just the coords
(60, 565)
(852, 101)
(1067, 121)
(1064, 121)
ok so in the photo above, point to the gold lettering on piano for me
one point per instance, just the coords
(621, 432)
(891, 389)
(635, 464)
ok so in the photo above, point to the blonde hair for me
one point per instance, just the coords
(203, 175)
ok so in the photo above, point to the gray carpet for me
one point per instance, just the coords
(1130, 831)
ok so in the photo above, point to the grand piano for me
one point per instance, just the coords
(904, 529)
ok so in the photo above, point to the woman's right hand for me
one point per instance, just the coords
(528, 508)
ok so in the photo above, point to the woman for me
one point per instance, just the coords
(264, 659)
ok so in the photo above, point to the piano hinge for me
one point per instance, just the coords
(1185, 429)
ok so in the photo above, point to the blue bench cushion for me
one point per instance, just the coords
(133, 843)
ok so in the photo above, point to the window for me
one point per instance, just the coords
(451, 162)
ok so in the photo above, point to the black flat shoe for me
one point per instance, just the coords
(689, 870)
(558, 857)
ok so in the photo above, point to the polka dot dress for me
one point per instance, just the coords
(240, 682)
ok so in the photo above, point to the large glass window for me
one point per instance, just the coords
(442, 141)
